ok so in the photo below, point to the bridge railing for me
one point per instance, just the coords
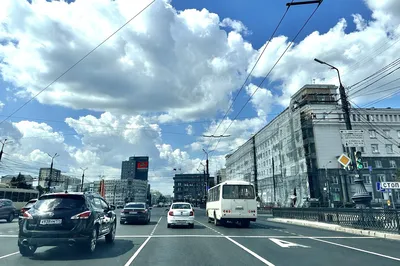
(367, 219)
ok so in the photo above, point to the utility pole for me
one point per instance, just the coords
(2, 148)
(115, 190)
(361, 197)
(51, 170)
(328, 183)
(83, 177)
(207, 176)
(255, 167)
(273, 177)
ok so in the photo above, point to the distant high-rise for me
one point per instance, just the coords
(137, 167)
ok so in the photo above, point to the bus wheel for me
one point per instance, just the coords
(216, 221)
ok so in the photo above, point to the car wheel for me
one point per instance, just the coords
(110, 237)
(168, 226)
(92, 241)
(121, 222)
(10, 217)
(191, 226)
(27, 251)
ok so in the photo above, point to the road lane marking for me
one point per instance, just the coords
(8, 235)
(357, 249)
(286, 244)
(9, 255)
(129, 262)
(155, 227)
(266, 262)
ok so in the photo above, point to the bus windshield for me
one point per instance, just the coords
(238, 192)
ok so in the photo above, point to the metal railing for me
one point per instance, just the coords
(367, 219)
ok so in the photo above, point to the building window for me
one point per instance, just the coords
(367, 179)
(378, 164)
(392, 164)
(375, 148)
(365, 164)
(361, 149)
(387, 133)
(382, 178)
(372, 134)
(389, 148)
(352, 180)
(335, 180)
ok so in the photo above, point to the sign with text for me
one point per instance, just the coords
(392, 185)
(352, 138)
(142, 165)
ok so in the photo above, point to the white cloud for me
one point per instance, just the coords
(357, 54)
(236, 25)
(143, 68)
(189, 130)
(262, 99)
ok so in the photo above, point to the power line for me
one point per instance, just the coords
(247, 78)
(266, 76)
(75, 64)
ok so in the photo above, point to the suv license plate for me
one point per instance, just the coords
(50, 221)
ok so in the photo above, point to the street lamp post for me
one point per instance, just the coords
(328, 183)
(51, 171)
(361, 197)
(83, 177)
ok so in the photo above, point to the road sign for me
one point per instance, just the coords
(344, 160)
(392, 185)
(370, 168)
(352, 138)
(379, 187)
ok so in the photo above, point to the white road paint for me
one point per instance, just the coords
(8, 255)
(357, 249)
(8, 236)
(266, 262)
(286, 244)
(129, 262)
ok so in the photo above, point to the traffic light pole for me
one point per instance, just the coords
(361, 198)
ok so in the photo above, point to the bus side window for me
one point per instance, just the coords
(2, 194)
(8, 195)
(218, 192)
(14, 196)
(21, 196)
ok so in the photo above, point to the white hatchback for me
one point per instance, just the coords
(180, 213)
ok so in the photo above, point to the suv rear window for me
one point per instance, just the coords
(30, 204)
(181, 206)
(54, 202)
(135, 206)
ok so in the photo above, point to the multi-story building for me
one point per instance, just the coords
(44, 177)
(295, 155)
(191, 187)
(221, 175)
(136, 167)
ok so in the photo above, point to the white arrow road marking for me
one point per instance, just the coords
(286, 244)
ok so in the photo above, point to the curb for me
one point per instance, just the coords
(334, 227)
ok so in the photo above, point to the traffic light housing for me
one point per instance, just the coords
(359, 163)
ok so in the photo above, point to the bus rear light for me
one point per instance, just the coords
(227, 211)
(252, 211)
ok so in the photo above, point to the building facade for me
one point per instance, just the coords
(295, 155)
(136, 167)
(191, 187)
(221, 176)
(44, 177)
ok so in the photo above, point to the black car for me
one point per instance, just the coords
(7, 210)
(66, 218)
(136, 212)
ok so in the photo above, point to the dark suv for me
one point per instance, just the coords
(7, 210)
(66, 218)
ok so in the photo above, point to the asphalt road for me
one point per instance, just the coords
(264, 243)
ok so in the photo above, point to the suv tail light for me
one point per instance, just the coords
(82, 215)
(191, 213)
(171, 213)
(26, 215)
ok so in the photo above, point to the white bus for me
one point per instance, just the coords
(232, 201)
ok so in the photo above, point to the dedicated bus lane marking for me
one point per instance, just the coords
(286, 244)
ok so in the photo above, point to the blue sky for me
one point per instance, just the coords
(260, 18)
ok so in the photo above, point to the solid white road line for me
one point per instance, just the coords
(266, 262)
(8, 235)
(129, 262)
(8, 255)
(357, 249)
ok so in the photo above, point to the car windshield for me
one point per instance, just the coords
(238, 192)
(57, 202)
(135, 205)
(181, 206)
